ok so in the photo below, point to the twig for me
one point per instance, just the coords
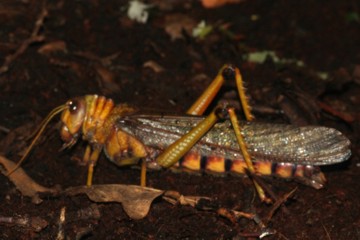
(91, 212)
(326, 231)
(279, 202)
(342, 115)
(82, 233)
(258, 235)
(35, 223)
(234, 215)
(267, 189)
(4, 129)
(62, 219)
(208, 204)
(34, 37)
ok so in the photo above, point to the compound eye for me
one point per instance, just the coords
(73, 106)
(72, 118)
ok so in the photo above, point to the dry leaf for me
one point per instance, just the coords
(174, 197)
(157, 68)
(107, 79)
(23, 182)
(51, 47)
(175, 24)
(218, 3)
(15, 141)
(135, 200)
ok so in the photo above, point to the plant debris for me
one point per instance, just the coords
(135, 200)
(306, 72)
(23, 182)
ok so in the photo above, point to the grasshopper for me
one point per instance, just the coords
(196, 143)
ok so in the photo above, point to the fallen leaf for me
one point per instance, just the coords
(157, 68)
(175, 197)
(106, 80)
(15, 141)
(342, 115)
(135, 200)
(36, 224)
(55, 46)
(175, 24)
(23, 182)
(217, 3)
(356, 74)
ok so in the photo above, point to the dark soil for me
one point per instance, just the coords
(93, 47)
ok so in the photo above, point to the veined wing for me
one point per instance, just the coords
(309, 145)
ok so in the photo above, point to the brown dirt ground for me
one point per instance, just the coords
(93, 47)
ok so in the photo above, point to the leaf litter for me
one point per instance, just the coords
(135, 200)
